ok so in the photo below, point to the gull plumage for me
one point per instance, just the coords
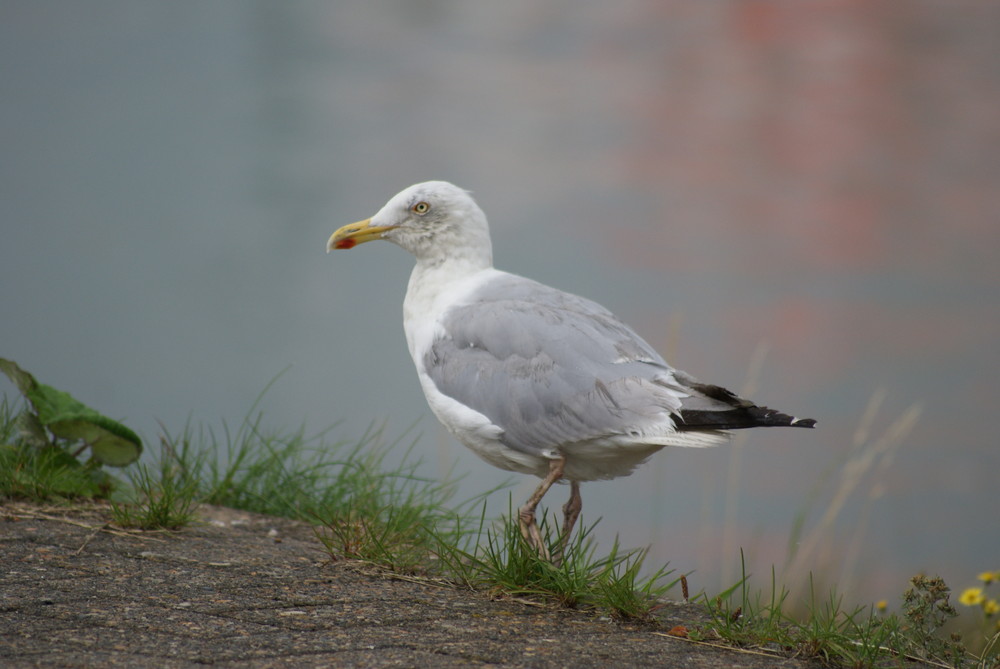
(533, 379)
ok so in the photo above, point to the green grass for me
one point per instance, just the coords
(843, 636)
(49, 473)
(497, 557)
(164, 495)
(393, 517)
(830, 633)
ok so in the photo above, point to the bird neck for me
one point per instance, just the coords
(433, 286)
(433, 276)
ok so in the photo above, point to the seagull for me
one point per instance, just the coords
(530, 378)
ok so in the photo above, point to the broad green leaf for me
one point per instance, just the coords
(24, 381)
(54, 405)
(111, 442)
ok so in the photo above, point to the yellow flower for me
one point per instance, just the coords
(972, 597)
(881, 605)
(988, 577)
(991, 606)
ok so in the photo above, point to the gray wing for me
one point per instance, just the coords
(550, 368)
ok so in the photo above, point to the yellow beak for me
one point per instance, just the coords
(357, 233)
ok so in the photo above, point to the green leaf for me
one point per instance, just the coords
(24, 381)
(112, 443)
(67, 418)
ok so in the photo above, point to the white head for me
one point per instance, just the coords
(435, 221)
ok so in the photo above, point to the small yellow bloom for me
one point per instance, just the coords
(991, 607)
(988, 577)
(972, 597)
(881, 605)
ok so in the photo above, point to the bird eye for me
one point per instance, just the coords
(421, 208)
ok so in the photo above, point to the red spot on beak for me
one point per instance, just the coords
(345, 244)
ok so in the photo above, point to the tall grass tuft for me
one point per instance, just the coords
(498, 559)
(163, 495)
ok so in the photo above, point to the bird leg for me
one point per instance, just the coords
(526, 514)
(571, 511)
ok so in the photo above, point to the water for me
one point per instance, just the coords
(738, 182)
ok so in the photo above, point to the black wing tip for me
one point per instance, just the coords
(764, 417)
(741, 418)
(734, 413)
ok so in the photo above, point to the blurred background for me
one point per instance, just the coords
(799, 200)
